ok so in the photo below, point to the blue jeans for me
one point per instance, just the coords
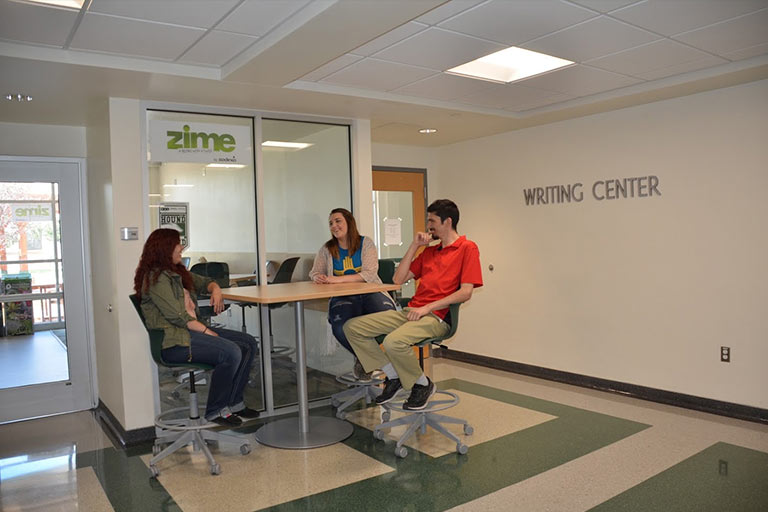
(341, 309)
(231, 355)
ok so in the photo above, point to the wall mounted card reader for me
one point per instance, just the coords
(129, 233)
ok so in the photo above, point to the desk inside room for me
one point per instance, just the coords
(236, 278)
(304, 431)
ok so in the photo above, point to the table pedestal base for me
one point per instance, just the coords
(285, 433)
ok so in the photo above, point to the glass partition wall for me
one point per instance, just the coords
(202, 181)
(306, 173)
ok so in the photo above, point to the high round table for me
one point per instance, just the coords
(305, 431)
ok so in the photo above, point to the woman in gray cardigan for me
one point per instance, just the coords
(346, 258)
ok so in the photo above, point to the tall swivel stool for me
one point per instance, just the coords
(419, 420)
(177, 432)
(356, 389)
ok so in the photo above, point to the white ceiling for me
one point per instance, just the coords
(377, 59)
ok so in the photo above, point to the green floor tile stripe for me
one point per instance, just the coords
(422, 483)
(126, 481)
(720, 478)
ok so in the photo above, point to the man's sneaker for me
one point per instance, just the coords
(247, 413)
(230, 421)
(420, 395)
(391, 387)
(360, 373)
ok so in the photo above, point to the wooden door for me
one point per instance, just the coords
(413, 182)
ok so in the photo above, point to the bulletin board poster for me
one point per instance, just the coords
(175, 216)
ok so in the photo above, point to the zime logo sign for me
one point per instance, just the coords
(187, 139)
(190, 141)
(31, 212)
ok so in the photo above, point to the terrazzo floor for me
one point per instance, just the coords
(536, 446)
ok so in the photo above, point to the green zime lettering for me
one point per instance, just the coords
(173, 142)
(190, 140)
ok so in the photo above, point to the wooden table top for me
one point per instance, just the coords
(303, 290)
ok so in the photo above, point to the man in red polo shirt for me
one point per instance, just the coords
(448, 273)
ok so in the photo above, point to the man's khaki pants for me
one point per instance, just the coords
(401, 333)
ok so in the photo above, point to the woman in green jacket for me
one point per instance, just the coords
(168, 293)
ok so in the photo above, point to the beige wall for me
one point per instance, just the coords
(127, 180)
(18, 139)
(125, 370)
(100, 204)
(643, 290)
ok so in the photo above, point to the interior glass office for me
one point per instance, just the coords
(203, 179)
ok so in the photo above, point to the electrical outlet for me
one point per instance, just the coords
(725, 354)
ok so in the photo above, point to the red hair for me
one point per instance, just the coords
(157, 256)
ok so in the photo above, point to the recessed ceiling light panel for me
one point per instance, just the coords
(509, 65)
(285, 145)
(428, 130)
(74, 4)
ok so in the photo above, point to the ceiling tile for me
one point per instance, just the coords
(378, 75)
(745, 53)
(604, 5)
(541, 102)
(730, 36)
(438, 49)
(708, 61)
(331, 67)
(391, 37)
(35, 23)
(515, 22)
(656, 60)
(591, 39)
(192, 13)
(445, 87)
(512, 96)
(257, 17)
(111, 34)
(217, 48)
(668, 18)
(447, 10)
(579, 81)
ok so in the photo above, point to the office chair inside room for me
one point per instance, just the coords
(419, 420)
(284, 275)
(219, 272)
(172, 430)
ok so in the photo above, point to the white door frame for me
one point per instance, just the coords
(79, 392)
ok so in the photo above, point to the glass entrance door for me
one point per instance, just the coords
(44, 350)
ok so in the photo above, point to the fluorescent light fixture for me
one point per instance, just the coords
(225, 166)
(287, 145)
(155, 195)
(428, 130)
(509, 65)
(74, 4)
(179, 185)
